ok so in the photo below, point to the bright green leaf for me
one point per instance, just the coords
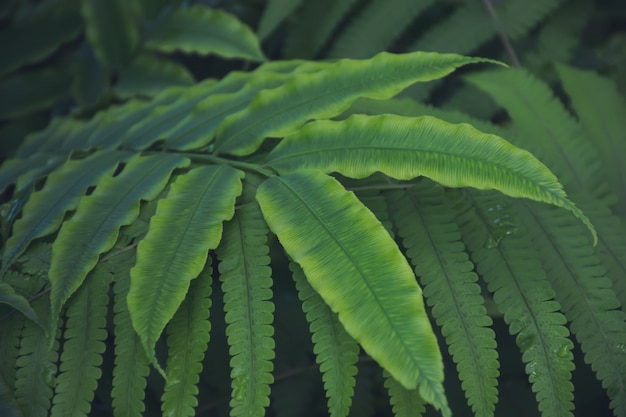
(186, 225)
(351, 261)
(327, 93)
(405, 148)
(202, 30)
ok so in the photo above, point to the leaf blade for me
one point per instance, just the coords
(186, 225)
(311, 212)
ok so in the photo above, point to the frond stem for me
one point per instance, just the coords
(504, 38)
(237, 164)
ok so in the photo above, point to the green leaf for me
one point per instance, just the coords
(352, 262)
(327, 93)
(543, 126)
(601, 111)
(404, 402)
(188, 337)
(246, 282)
(94, 228)
(202, 30)
(39, 35)
(148, 75)
(335, 351)
(36, 367)
(132, 366)
(186, 225)
(111, 30)
(33, 91)
(44, 211)
(510, 266)
(19, 303)
(81, 360)
(275, 12)
(405, 148)
(425, 222)
(198, 128)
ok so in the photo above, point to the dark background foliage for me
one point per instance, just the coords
(72, 77)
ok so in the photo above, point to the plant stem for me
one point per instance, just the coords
(504, 37)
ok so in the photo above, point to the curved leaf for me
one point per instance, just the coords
(405, 148)
(111, 30)
(404, 402)
(54, 26)
(44, 211)
(32, 91)
(188, 337)
(81, 360)
(19, 303)
(425, 222)
(352, 262)
(276, 11)
(509, 264)
(186, 225)
(94, 228)
(148, 75)
(335, 351)
(246, 281)
(202, 30)
(131, 363)
(327, 93)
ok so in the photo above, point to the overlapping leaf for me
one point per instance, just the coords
(327, 93)
(94, 227)
(186, 225)
(352, 262)
(405, 148)
(202, 30)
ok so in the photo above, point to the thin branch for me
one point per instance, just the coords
(504, 37)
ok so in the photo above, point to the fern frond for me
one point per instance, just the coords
(312, 25)
(198, 128)
(17, 302)
(36, 260)
(44, 210)
(25, 171)
(404, 402)
(275, 12)
(468, 19)
(509, 265)
(188, 337)
(131, 363)
(327, 93)
(94, 228)
(585, 295)
(9, 348)
(544, 127)
(55, 26)
(405, 148)
(611, 248)
(426, 225)
(111, 31)
(163, 118)
(202, 30)
(36, 367)
(349, 258)
(84, 334)
(108, 128)
(148, 75)
(335, 350)
(186, 225)
(559, 36)
(376, 26)
(246, 282)
(601, 111)
(27, 92)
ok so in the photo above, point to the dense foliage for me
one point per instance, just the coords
(199, 218)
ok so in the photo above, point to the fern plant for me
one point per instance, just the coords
(115, 228)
